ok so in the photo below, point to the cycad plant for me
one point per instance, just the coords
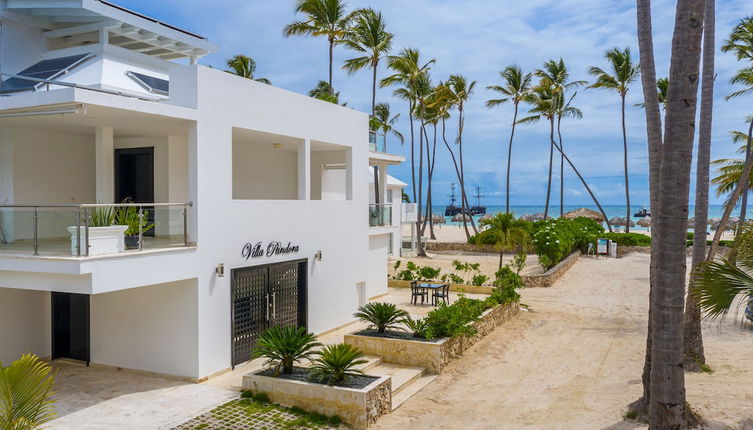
(26, 394)
(382, 316)
(336, 362)
(323, 18)
(623, 73)
(417, 327)
(285, 346)
(245, 67)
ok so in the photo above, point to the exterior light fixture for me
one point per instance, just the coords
(318, 255)
(277, 145)
(220, 270)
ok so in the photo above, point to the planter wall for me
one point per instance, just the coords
(102, 240)
(434, 356)
(357, 407)
(460, 246)
(458, 288)
(548, 278)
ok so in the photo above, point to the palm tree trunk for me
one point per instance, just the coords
(551, 155)
(427, 216)
(509, 158)
(744, 198)
(331, 49)
(625, 159)
(654, 138)
(431, 175)
(667, 407)
(562, 167)
(463, 196)
(501, 257)
(412, 150)
(421, 251)
(373, 91)
(693, 336)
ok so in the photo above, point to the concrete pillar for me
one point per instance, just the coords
(304, 170)
(349, 174)
(193, 183)
(383, 183)
(105, 164)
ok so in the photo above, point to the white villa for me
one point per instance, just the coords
(263, 208)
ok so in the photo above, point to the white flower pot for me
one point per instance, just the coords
(102, 240)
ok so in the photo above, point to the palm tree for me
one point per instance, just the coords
(662, 84)
(382, 121)
(511, 233)
(368, 36)
(692, 336)
(555, 76)
(517, 89)
(26, 394)
(649, 84)
(667, 407)
(741, 40)
(327, 18)
(245, 67)
(323, 91)
(623, 73)
(543, 107)
(408, 69)
(564, 110)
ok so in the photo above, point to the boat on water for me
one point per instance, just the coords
(644, 212)
(452, 209)
(479, 209)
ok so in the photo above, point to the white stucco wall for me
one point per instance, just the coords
(150, 328)
(263, 172)
(24, 323)
(377, 282)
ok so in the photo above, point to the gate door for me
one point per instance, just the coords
(249, 308)
(283, 283)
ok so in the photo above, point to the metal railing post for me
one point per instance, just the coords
(185, 225)
(86, 229)
(141, 228)
(36, 233)
(78, 232)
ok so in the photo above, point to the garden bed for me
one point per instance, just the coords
(404, 335)
(303, 374)
(359, 407)
(432, 355)
(548, 278)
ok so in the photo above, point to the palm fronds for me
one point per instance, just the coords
(25, 394)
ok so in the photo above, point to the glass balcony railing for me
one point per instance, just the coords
(92, 229)
(380, 215)
(377, 142)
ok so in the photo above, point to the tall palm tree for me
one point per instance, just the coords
(555, 76)
(457, 90)
(408, 68)
(369, 37)
(623, 73)
(662, 84)
(741, 40)
(542, 101)
(667, 407)
(384, 121)
(511, 233)
(323, 91)
(323, 18)
(564, 110)
(516, 88)
(692, 335)
(654, 138)
(245, 67)
(26, 394)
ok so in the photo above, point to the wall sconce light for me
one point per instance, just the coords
(318, 255)
(220, 270)
(277, 145)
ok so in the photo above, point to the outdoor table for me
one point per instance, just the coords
(433, 287)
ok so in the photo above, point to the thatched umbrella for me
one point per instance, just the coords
(459, 218)
(438, 219)
(486, 217)
(525, 217)
(539, 217)
(645, 221)
(620, 221)
(584, 213)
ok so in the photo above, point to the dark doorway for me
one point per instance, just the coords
(263, 297)
(134, 178)
(70, 326)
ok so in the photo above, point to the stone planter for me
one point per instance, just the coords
(548, 278)
(102, 240)
(434, 356)
(358, 407)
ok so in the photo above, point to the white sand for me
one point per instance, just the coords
(489, 262)
(575, 362)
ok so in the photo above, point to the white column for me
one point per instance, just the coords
(105, 164)
(193, 183)
(383, 183)
(349, 174)
(304, 170)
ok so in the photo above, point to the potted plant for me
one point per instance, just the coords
(129, 216)
(104, 237)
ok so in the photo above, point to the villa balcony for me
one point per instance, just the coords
(81, 231)
(380, 215)
(378, 150)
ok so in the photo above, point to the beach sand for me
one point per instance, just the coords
(575, 361)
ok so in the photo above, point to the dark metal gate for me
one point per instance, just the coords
(70, 326)
(263, 297)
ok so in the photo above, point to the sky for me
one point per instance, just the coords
(478, 38)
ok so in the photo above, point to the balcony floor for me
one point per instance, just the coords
(61, 247)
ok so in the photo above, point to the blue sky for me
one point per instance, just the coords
(477, 38)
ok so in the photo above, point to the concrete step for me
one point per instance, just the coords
(372, 362)
(408, 390)
(401, 375)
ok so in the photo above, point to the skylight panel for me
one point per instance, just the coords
(150, 83)
(45, 69)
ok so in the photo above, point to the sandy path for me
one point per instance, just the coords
(575, 362)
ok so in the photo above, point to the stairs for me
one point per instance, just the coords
(406, 380)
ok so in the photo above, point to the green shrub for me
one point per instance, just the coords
(479, 280)
(555, 239)
(382, 316)
(507, 284)
(519, 262)
(628, 239)
(284, 346)
(427, 273)
(453, 278)
(337, 362)
(452, 320)
(416, 327)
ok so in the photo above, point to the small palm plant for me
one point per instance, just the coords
(25, 394)
(382, 316)
(417, 327)
(337, 362)
(285, 346)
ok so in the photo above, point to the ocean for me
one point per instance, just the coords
(715, 211)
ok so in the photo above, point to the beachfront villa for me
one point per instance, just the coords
(247, 206)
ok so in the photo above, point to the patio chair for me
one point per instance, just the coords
(415, 292)
(442, 293)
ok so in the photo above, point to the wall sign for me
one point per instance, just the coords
(256, 250)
